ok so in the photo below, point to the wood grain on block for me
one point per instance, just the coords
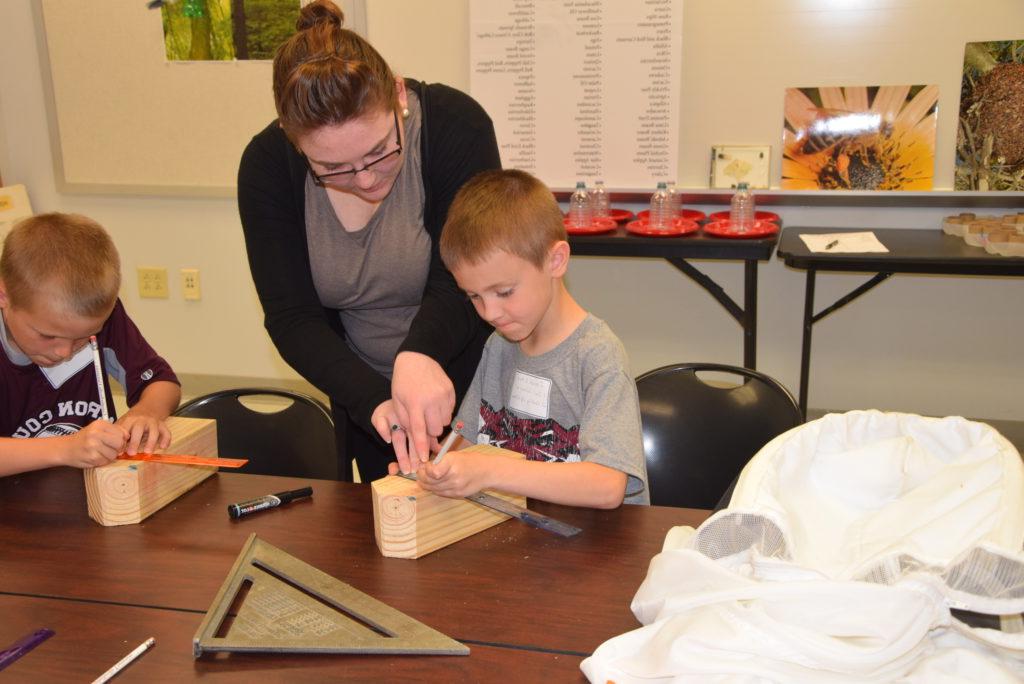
(410, 522)
(126, 492)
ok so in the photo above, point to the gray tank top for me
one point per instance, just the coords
(376, 275)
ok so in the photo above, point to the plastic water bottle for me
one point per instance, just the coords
(675, 199)
(580, 213)
(661, 217)
(600, 201)
(741, 213)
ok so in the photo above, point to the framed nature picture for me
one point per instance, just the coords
(990, 133)
(734, 164)
(204, 30)
(14, 206)
(859, 138)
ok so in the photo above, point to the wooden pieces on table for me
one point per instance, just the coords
(126, 492)
(1000, 235)
(410, 522)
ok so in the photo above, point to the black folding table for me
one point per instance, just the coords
(910, 251)
(676, 251)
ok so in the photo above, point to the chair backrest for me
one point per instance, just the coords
(698, 436)
(296, 441)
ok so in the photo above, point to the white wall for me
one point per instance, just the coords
(221, 334)
(917, 343)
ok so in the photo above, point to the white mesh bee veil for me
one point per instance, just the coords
(857, 548)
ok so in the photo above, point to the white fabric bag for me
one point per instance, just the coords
(845, 546)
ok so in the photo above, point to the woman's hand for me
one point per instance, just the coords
(424, 400)
(385, 421)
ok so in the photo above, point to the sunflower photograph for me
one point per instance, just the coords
(860, 138)
(990, 133)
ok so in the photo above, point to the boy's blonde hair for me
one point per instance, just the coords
(69, 253)
(506, 210)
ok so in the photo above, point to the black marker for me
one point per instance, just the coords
(831, 244)
(269, 501)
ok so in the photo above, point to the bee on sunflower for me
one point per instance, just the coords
(859, 138)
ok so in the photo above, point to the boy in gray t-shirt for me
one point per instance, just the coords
(552, 383)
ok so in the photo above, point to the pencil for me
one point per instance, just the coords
(448, 442)
(125, 662)
(99, 377)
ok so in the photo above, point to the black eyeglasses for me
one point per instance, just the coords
(351, 173)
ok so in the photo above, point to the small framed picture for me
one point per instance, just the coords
(14, 206)
(733, 164)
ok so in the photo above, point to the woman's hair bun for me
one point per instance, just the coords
(320, 12)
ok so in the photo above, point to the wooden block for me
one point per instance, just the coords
(126, 492)
(953, 225)
(410, 522)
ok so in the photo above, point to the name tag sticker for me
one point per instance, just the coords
(531, 394)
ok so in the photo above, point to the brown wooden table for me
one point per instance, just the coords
(525, 601)
(90, 638)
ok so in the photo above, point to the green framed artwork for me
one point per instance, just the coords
(224, 30)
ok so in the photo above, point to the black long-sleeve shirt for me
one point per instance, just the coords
(457, 142)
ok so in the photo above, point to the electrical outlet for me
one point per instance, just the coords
(152, 282)
(190, 283)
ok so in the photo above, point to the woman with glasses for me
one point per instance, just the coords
(342, 201)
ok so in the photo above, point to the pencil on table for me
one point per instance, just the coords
(125, 662)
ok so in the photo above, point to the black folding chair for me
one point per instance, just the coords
(296, 440)
(698, 436)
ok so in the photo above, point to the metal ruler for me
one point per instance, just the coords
(529, 517)
(272, 602)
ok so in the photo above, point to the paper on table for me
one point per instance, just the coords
(843, 242)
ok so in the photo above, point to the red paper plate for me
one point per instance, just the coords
(758, 215)
(691, 214)
(681, 226)
(724, 229)
(617, 215)
(597, 226)
(621, 215)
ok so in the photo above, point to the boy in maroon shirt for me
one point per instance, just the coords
(59, 277)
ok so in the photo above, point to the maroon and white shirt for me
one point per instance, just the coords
(61, 400)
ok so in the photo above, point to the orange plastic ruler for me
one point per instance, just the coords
(186, 459)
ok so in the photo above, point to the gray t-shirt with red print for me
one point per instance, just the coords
(58, 401)
(576, 402)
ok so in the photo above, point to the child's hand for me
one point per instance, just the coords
(145, 433)
(98, 443)
(456, 476)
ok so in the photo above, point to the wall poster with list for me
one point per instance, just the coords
(581, 89)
